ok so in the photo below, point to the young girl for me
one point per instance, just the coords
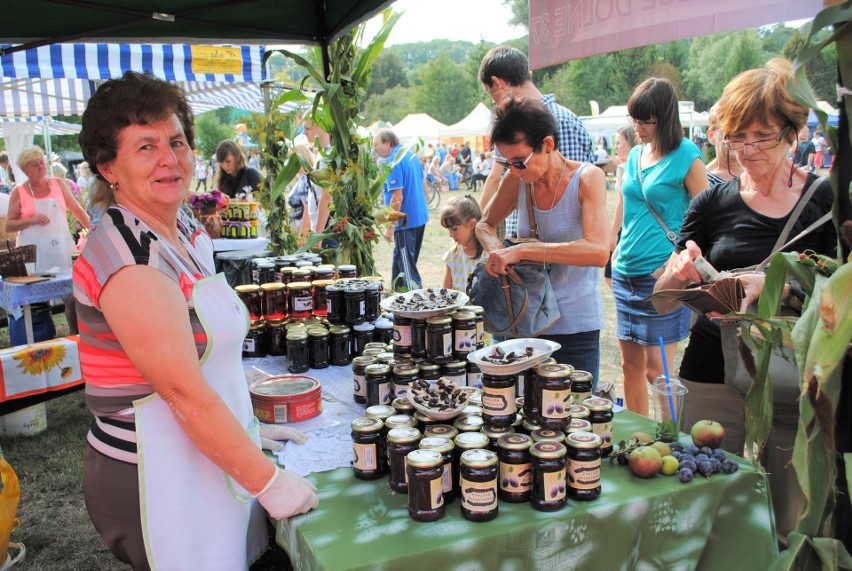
(460, 218)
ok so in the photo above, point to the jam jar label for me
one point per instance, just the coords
(474, 380)
(584, 475)
(554, 486)
(436, 493)
(303, 303)
(554, 404)
(457, 379)
(580, 397)
(402, 335)
(365, 456)
(447, 478)
(478, 496)
(400, 390)
(360, 386)
(498, 401)
(248, 345)
(465, 340)
(515, 477)
(604, 430)
(384, 393)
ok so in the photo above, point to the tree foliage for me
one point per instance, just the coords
(210, 130)
(444, 89)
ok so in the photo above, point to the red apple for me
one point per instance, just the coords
(707, 433)
(645, 462)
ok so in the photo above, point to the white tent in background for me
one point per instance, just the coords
(418, 125)
(476, 124)
(615, 117)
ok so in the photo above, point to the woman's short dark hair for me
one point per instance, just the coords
(655, 98)
(523, 119)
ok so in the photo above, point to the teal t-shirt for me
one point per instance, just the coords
(644, 247)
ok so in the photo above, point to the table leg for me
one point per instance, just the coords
(28, 323)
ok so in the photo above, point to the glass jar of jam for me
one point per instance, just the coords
(581, 385)
(250, 296)
(404, 375)
(265, 271)
(354, 300)
(284, 273)
(478, 485)
(378, 378)
(425, 497)
(297, 352)
(584, 465)
(441, 431)
(320, 302)
(466, 441)
(346, 271)
(531, 404)
(445, 448)
(384, 330)
(548, 471)
(399, 421)
(380, 411)
(359, 379)
(372, 300)
(513, 452)
(401, 334)
(300, 299)
(543, 434)
(403, 406)
(464, 334)
(274, 301)
(579, 425)
(474, 375)
(318, 348)
(430, 373)
(276, 335)
(455, 372)
(439, 339)
(340, 340)
(361, 335)
(401, 441)
(553, 396)
(479, 319)
(335, 305)
(498, 399)
(324, 272)
(469, 423)
(367, 443)
(600, 415)
(494, 433)
(254, 345)
(418, 338)
(303, 273)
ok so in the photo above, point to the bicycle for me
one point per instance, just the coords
(433, 194)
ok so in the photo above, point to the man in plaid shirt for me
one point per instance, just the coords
(504, 71)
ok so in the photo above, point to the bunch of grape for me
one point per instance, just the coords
(705, 461)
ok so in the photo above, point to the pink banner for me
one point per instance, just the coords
(562, 30)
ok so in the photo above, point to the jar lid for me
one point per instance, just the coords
(579, 425)
(456, 365)
(400, 420)
(469, 423)
(375, 345)
(545, 434)
(247, 288)
(438, 444)
(339, 330)
(429, 367)
(514, 441)
(275, 323)
(377, 369)
(406, 370)
(334, 287)
(475, 309)
(368, 327)
(581, 377)
(402, 404)
(346, 268)
(519, 403)
(365, 424)
(438, 320)
(304, 263)
(548, 449)
(423, 458)
(295, 325)
(364, 360)
(372, 352)
(478, 458)
(578, 411)
(471, 440)
(381, 411)
(272, 286)
(303, 271)
(322, 283)
(403, 434)
(285, 269)
(382, 324)
(598, 404)
(257, 324)
(424, 419)
(494, 432)
(554, 371)
(354, 289)
(297, 336)
(583, 440)
(299, 285)
(318, 332)
(471, 410)
(530, 426)
(441, 431)
(385, 356)
(464, 316)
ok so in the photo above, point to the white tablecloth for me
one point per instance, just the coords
(229, 244)
(13, 297)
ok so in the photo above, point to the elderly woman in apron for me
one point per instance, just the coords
(37, 210)
(174, 474)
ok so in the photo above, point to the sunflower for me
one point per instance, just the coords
(39, 360)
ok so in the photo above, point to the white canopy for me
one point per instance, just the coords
(615, 117)
(418, 125)
(476, 124)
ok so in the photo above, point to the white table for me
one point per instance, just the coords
(230, 244)
(16, 299)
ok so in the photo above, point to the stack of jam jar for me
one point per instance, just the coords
(239, 220)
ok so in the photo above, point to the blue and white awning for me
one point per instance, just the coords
(29, 97)
(37, 125)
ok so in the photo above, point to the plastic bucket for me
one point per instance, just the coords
(25, 422)
(10, 561)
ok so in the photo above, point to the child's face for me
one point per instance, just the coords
(463, 233)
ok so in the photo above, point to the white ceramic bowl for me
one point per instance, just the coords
(439, 414)
(542, 350)
(388, 303)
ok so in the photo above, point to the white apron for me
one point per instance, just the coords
(53, 240)
(193, 515)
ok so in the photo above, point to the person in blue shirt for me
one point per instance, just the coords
(405, 192)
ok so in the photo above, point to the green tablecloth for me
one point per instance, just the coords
(720, 523)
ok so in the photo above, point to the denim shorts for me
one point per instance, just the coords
(637, 320)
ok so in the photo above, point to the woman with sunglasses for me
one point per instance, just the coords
(569, 205)
(736, 225)
(661, 176)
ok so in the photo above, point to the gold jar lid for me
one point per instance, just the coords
(400, 420)
(442, 445)
(478, 458)
(255, 325)
(296, 325)
(402, 405)
(471, 440)
(514, 441)
(372, 352)
(438, 320)
(441, 431)
(406, 370)
(545, 434)
(469, 423)
(471, 410)
(425, 419)
(364, 360)
(339, 330)
(547, 449)
(581, 376)
(579, 425)
(554, 371)
(423, 458)
(365, 424)
(377, 369)
(296, 335)
(583, 440)
(380, 411)
(429, 368)
(529, 426)
(464, 315)
(375, 345)
(272, 286)
(247, 288)
(322, 283)
(578, 411)
(318, 332)
(275, 323)
(493, 432)
(385, 356)
(299, 285)
(456, 365)
(598, 404)
(303, 271)
(403, 434)
(475, 309)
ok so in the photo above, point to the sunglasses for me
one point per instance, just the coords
(520, 165)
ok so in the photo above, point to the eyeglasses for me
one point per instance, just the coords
(761, 145)
(641, 122)
(520, 165)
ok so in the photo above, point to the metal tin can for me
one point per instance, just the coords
(288, 398)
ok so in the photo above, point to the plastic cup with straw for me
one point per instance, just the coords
(668, 381)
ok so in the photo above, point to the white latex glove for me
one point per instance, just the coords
(272, 435)
(288, 494)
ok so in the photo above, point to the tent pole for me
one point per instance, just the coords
(47, 149)
(326, 64)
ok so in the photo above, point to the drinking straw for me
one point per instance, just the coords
(668, 382)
